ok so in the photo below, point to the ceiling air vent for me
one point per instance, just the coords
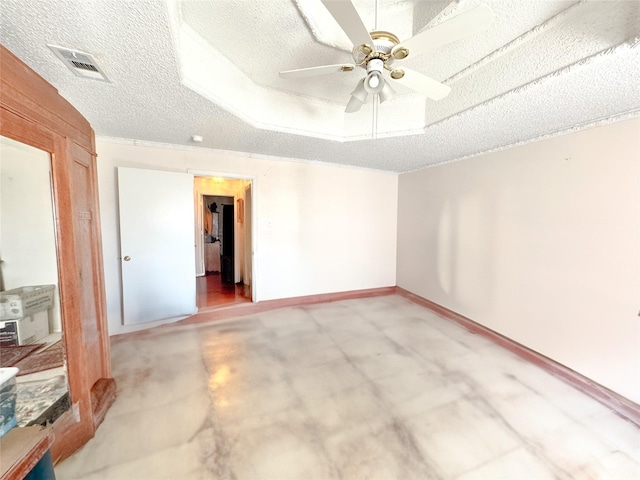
(81, 63)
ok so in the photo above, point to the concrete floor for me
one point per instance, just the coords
(371, 388)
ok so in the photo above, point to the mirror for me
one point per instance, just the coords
(30, 319)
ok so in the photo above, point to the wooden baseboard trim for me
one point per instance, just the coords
(619, 404)
(241, 309)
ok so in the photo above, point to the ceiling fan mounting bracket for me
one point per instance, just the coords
(383, 46)
(386, 36)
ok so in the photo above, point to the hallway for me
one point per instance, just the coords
(212, 292)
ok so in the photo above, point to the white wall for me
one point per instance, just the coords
(318, 228)
(27, 230)
(539, 243)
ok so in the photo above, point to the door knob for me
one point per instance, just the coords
(127, 258)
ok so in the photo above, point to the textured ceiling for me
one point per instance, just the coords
(210, 68)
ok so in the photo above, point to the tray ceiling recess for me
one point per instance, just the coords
(212, 67)
(445, 59)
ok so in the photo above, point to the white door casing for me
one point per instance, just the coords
(199, 234)
(156, 244)
(248, 238)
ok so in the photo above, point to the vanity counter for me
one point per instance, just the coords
(22, 449)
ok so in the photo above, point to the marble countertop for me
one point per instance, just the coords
(35, 397)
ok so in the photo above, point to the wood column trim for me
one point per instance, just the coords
(32, 112)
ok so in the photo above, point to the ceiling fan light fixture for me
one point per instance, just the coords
(354, 105)
(376, 51)
(386, 93)
(374, 82)
(360, 92)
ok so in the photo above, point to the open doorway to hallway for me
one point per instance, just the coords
(223, 241)
(212, 292)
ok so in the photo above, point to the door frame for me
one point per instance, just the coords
(254, 216)
(248, 252)
(199, 247)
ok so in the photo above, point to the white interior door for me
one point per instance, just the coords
(156, 244)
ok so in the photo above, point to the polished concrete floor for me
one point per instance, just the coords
(374, 388)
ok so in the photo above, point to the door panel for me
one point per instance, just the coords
(228, 239)
(156, 244)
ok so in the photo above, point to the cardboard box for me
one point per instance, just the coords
(26, 330)
(23, 301)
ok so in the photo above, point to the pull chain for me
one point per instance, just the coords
(374, 120)
(376, 98)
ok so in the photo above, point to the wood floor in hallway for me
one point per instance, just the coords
(213, 292)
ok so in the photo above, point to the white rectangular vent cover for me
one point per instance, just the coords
(81, 63)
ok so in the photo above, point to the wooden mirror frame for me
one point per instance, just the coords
(32, 112)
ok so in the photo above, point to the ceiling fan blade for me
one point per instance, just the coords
(422, 84)
(349, 20)
(460, 26)
(313, 71)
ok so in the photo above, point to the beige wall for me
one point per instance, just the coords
(318, 228)
(540, 243)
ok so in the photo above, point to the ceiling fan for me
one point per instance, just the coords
(377, 51)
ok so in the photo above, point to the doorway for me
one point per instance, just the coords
(222, 270)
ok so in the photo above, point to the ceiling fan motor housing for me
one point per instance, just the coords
(375, 65)
(383, 43)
